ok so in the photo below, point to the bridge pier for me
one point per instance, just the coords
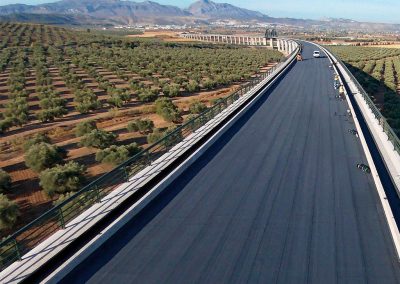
(282, 45)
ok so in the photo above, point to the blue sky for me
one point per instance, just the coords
(387, 11)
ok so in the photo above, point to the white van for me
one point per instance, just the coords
(316, 54)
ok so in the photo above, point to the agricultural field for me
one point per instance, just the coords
(74, 104)
(378, 71)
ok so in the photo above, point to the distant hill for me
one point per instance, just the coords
(112, 12)
(52, 19)
(129, 12)
(212, 10)
(124, 12)
(55, 19)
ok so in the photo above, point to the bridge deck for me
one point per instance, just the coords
(278, 199)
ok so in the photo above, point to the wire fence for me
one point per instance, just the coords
(13, 247)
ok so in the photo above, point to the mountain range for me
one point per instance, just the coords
(119, 12)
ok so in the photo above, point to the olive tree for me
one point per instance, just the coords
(155, 136)
(43, 156)
(171, 136)
(99, 139)
(5, 181)
(197, 107)
(86, 101)
(62, 179)
(5, 125)
(192, 86)
(171, 90)
(117, 154)
(9, 212)
(147, 96)
(36, 139)
(85, 127)
(144, 126)
(167, 110)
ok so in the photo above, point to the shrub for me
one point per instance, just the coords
(5, 125)
(5, 181)
(167, 110)
(62, 179)
(144, 126)
(43, 156)
(173, 136)
(168, 142)
(115, 101)
(36, 139)
(52, 106)
(192, 86)
(132, 126)
(18, 111)
(98, 138)
(147, 96)
(46, 115)
(117, 154)
(62, 197)
(85, 127)
(155, 136)
(9, 212)
(171, 90)
(196, 123)
(118, 97)
(208, 84)
(86, 101)
(197, 107)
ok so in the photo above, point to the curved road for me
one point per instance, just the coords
(278, 199)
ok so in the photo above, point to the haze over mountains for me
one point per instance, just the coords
(76, 12)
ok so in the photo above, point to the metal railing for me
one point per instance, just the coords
(393, 138)
(13, 247)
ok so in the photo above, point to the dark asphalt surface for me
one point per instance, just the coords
(278, 199)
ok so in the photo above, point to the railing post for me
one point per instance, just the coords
(62, 221)
(97, 191)
(148, 160)
(382, 123)
(17, 250)
(126, 175)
